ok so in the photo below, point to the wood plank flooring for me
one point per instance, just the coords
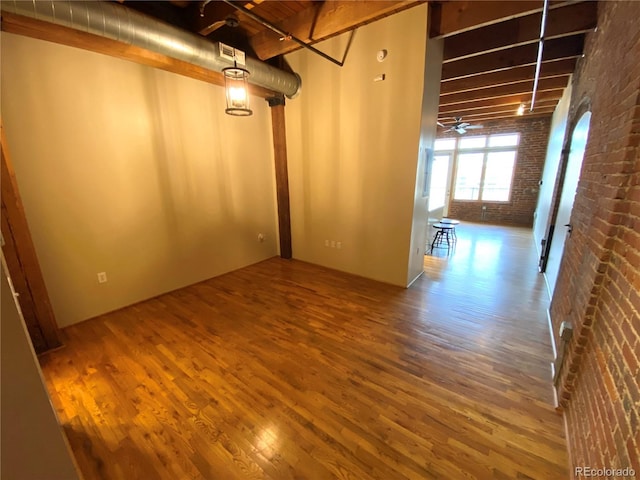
(286, 370)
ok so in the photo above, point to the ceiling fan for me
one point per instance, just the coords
(229, 21)
(459, 126)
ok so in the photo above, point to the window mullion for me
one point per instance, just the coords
(482, 175)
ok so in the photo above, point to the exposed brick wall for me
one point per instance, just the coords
(598, 288)
(534, 135)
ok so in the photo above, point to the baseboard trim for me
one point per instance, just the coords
(556, 402)
(553, 340)
(417, 277)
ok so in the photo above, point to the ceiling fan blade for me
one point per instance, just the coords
(460, 130)
(464, 124)
(469, 127)
(440, 124)
(213, 27)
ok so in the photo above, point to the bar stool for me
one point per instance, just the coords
(451, 221)
(445, 233)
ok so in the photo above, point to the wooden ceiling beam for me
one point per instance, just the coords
(511, 100)
(465, 113)
(524, 87)
(553, 68)
(561, 22)
(559, 48)
(323, 20)
(450, 18)
(30, 27)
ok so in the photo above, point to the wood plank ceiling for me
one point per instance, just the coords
(490, 47)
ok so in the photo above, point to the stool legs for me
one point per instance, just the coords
(437, 239)
(442, 235)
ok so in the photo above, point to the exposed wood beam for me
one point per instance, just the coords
(512, 100)
(549, 69)
(278, 125)
(464, 112)
(552, 83)
(568, 47)
(561, 22)
(29, 27)
(323, 20)
(16, 226)
(20, 284)
(449, 18)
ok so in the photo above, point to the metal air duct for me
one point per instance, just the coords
(116, 22)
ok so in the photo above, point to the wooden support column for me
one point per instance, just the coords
(282, 175)
(22, 262)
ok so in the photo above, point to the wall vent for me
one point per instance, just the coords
(231, 54)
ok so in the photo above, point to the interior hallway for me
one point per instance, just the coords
(289, 370)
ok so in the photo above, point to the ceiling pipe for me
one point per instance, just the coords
(283, 35)
(117, 22)
(536, 77)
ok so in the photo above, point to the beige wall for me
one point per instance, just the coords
(33, 445)
(132, 171)
(353, 149)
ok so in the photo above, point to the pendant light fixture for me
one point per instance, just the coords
(236, 84)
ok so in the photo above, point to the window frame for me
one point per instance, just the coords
(485, 152)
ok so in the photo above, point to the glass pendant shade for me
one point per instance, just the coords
(237, 90)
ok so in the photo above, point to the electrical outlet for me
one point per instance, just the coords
(261, 237)
(102, 277)
(333, 244)
(338, 245)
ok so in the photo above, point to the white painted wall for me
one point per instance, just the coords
(552, 162)
(353, 149)
(578, 145)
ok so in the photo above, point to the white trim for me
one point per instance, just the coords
(553, 340)
(556, 402)
(417, 277)
(546, 282)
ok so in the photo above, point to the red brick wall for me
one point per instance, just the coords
(534, 134)
(598, 288)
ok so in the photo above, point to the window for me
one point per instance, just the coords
(472, 142)
(497, 176)
(438, 186)
(468, 176)
(484, 165)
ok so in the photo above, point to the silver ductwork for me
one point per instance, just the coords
(116, 22)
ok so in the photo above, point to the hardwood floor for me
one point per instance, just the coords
(286, 370)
